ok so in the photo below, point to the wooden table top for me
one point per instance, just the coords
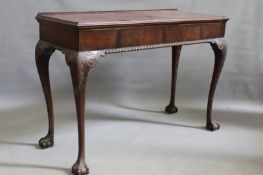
(128, 17)
(98, 30)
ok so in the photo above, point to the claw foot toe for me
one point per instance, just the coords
(213, 126)
(171, 109)
(80, 168)
(46, 142)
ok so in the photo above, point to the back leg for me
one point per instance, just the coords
(176, 51)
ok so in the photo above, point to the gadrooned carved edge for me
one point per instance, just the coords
(156, 46)
(90, 57)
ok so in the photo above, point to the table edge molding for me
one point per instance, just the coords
(92, 56)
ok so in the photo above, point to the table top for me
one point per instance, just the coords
(98, 30)
(127, 17)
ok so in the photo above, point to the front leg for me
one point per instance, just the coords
(42, 55)
(176, 51)
(220, 50)
(80, 64)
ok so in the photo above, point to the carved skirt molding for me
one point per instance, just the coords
(91, 57)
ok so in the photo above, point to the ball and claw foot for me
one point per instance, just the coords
(80, 168)
(46, 142)
(171, 109)
(213, 126)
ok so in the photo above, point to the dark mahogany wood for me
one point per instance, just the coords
(85, 36)
(42, 55)
(85, 31)
(79, 72)
(94, 19)
(220, 50)
(176, 51)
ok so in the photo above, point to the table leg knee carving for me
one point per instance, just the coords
(80, 64)
(43, 53)
(220, 49)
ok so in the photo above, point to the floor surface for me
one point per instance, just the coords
(128, 140)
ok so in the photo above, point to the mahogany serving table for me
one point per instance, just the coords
(85, 36)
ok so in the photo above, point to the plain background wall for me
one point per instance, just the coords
(127, 131)
(125, 77)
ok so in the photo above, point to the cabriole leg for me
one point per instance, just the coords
(42, 55)
(176, 50)
(220, 49)
(80, 64)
